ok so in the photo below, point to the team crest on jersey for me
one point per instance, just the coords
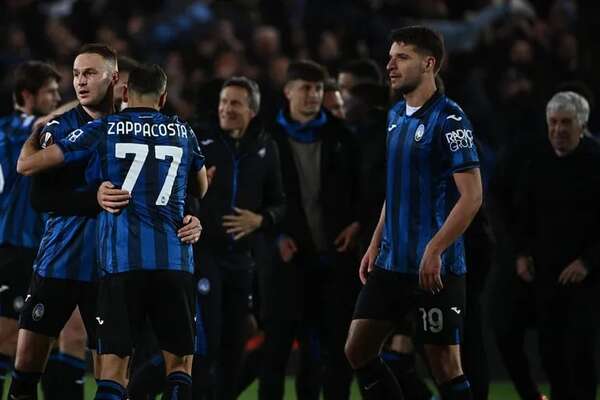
(262, 152)
(38, 312)
(203, 286)
(419, 132)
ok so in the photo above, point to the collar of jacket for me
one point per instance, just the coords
(303, 133)
(254, 137)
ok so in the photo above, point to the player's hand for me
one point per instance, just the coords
(287, 248)
(190, 232)
(210, 174)
(347, 237)
(574, 273)
(112, 199)
(367, 263)
(242, 223)
(525, 269)
(429, 271)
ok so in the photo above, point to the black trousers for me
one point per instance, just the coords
(512, 305)
(567, 320)
(478, 251)
(318, 315)
(224, 283)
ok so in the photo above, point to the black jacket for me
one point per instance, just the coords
(247, 176)
(339, 183)
(560, 209)
(371, 136)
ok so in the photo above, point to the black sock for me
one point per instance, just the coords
(63, 378)
(403, 367)
(24, 385)
(377, 382)
(179, 387)
(5, 367)
(51, 378)
(148, 380)
(456, 389)
(110, 390)
(204, 379)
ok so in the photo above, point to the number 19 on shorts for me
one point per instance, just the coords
(433, 320)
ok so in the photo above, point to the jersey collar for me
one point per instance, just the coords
(425, 107)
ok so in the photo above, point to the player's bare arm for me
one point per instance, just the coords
(368, 260)
(468, 184)
(33, 160)
(199, 184)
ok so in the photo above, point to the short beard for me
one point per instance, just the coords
(407, 88)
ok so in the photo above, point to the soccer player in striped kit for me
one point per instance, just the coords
(416, 260)
(146, 271)
(21, 227)
(65, 269)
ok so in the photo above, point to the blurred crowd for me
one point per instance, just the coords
(505, 57)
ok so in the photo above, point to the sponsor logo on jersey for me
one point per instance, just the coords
(459, 139)
(73, 136)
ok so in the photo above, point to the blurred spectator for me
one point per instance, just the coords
(332, 99)
(315, 244)
(358, 71)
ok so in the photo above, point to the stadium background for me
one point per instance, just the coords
(505, 57)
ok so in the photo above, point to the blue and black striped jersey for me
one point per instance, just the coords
(68, 247)
(424, 150)
(20, 224)
(151, 156)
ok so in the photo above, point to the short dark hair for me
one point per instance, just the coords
(102, 50)
(147, 79)
(330, 85)
(31, 76)
(365, 70)
(251, 88)
(424, 39)
(306, 70)
(127, 64)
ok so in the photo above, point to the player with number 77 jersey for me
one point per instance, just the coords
(150, 155)
(153, 157)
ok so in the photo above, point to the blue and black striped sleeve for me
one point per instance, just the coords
(81, 143)
(458, 143)
(44, 194)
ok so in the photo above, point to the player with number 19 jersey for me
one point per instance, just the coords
(148, 154)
